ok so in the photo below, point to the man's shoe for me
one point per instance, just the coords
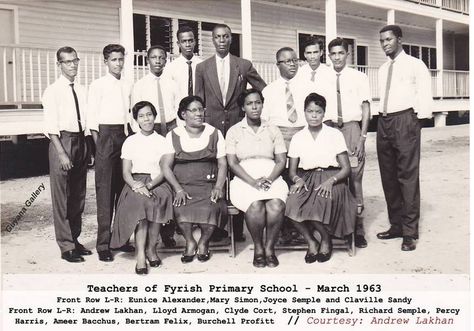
(127, 248)
(169, 242)
(409, 244)
(259, 261)
(105, 256)
(239, 238)
(72, 256)
(81, 250)
(390, 234)
(272, 261)
(359, 241)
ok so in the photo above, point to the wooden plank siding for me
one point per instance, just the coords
(85, 25)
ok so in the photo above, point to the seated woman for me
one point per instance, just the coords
(319, 200)
(196, 169)
(146, 200)
(256, 154)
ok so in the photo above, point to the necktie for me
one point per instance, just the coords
(77, 107)
(340, 122)
(387, 88)
(313, 73)
(222, 80)
(190, 77)
(290, 105)
(161, 108)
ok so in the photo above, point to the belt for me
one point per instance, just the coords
(111, 127)
(396, 113)
(72, 134)
(334, 124)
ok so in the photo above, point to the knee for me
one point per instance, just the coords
(275, 206)
(256, 208)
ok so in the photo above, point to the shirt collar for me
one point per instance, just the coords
(63, 80)
(226, 58)
(112, 77)
(244, 124)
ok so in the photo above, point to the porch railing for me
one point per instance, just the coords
(461, 6)
(25, 72)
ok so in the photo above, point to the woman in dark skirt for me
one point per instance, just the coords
(196, 169)
(319, 200)
(145, 202)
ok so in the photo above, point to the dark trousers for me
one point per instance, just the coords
(398, 151)
(108, 179)
(68, 189)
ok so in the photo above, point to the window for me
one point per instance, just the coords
(362, 55)
(427, 54)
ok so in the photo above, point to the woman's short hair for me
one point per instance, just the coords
(318, 100)
(185, 102)
(245, 94)
(140, 105)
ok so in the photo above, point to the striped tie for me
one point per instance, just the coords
(290, 105)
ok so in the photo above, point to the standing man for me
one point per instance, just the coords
(64, 104)
(182, 70)
(161, 91)
(158, 89)
(314, 70)
(350, 113)
(284, 107)
(108, 118)
(220, 80)
(405, 97)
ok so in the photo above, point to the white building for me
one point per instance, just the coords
(437, 31)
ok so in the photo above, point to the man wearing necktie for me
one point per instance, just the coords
(108, 118)
(64, 104)
(161, 90)
(405, 97)
(349, 111)
(182, 70)
(313, 69)
(219, 81)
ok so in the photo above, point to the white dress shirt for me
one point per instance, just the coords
(59, 107)
(274, 106)
(226, 60)
(146, 90)
(145, 152)
(410, 86)
(178, 71)
(189, 144)
(355, 90)
(109, 102)
(320, 152)
(305, 72)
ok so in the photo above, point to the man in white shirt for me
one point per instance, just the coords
(349, 111)
(405, 97)
(182, 70)
(314, 70)
(64, 104)
(284, 107)
(160, 90)
(108, 119)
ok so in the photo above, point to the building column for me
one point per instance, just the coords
(390, 16)
(439, 57)
(246, 21)
(126, 36)
(331, 20)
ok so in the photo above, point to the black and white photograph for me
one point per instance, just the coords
(279, 152)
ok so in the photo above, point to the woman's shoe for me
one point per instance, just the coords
(204, 257)
(155, 263)
(272, 261)
(259, 261)
(188, 258)
(311, 257)
(141, 271)
(324, 257)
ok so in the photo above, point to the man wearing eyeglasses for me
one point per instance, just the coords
(64, 104)
(284, 107)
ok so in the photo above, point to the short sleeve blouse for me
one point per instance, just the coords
(320, 152)
(245, 143)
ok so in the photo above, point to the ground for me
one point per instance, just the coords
(443, 247)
